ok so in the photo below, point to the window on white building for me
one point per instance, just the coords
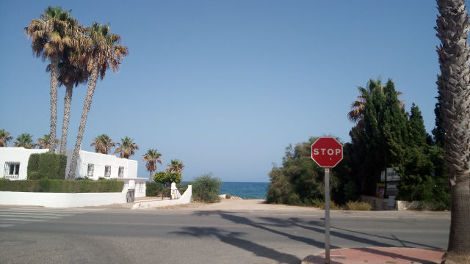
(91, 168)
(12, 169)
(121, 172)
(107, 171)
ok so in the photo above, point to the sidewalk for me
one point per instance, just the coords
(378, 255)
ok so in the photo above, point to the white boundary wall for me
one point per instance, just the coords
(184, 199)
(61, 200)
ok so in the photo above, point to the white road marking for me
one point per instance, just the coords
(22, 215)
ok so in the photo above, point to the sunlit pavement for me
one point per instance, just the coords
(203, 235)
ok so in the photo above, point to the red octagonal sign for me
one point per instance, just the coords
(327, 152)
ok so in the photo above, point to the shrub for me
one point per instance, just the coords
(46, 166)
(359, 206)
(206, 188)
(154, 189)
(228, 196)
(182, 187)
(62, 186)
(321, 204)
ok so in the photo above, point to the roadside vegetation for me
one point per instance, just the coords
(61, 186)
(206, 188)
(161, 181)
(384, 135)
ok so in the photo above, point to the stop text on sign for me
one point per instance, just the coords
(327, 152)
(324, 151)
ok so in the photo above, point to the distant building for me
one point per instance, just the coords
(388, 186)
(90, 165)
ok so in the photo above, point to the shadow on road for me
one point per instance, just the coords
(270, 223)
(233, 238)
(317, 226)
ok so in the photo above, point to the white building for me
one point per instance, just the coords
(14, 162)
(90, 165)
(94, 166)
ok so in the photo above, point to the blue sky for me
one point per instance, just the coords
(225, 86)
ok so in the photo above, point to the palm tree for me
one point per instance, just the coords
(72, 72)
(175, 166)
(45, 142)
(102, 143)
(358, 107)
(126, 148)
(4, 138)
(152, 157)
(102, 52)
(24, 140)
(453, 84)
(50, 35)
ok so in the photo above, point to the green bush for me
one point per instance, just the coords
(206, 188)
(166, 178)
(154, 189)
(62, 186)
(182, 187)
(358, 206)
(46, 166)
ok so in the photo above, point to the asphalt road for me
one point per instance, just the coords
(39, 235)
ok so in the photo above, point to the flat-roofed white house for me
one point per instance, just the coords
(94, 166)
(90, 165)
(14, 161)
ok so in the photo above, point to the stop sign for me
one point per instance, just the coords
(327, 152)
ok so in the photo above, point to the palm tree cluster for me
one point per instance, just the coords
(77, 54)
(104, 144)
(25, 140)
(152, 157)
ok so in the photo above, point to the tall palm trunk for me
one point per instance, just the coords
(150, 175)
(66, 119)
(83, 119)
(454, 88)
(53, 94)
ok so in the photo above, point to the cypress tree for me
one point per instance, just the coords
(418, 133)
(394, 127)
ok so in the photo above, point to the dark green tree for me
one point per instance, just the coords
(422, 177)
(417, 130)
(299, 180)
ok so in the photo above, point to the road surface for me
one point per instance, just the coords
(110, 235)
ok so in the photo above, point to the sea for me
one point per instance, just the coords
(245, 190)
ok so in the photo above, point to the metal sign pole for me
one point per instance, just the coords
(327, 215)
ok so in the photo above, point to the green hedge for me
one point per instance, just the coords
(154, 189)
(46, 165)
(62, 186)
